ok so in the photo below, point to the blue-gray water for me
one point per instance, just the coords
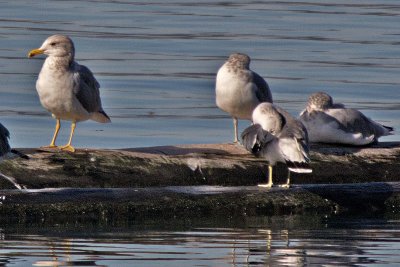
(268, 241)
(156, 63)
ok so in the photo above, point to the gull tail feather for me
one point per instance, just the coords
(299, 167)
(100, 116)
(390, 129)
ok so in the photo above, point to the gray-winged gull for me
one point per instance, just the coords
(7, 152)
(278, 137)
(328, 122)
(4, 145)
(239, 90)
(66, 89)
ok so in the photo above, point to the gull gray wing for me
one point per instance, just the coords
(255, 138)
(86, 89)
(293, 143)
(263, 93)
(353, 121)
(316, 119)
(296, 154)
(4, 145)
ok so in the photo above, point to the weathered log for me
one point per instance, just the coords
(213, 164)
(187, 201)
(195, 179)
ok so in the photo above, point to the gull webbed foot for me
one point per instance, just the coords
(49, 146)
(268, 185)
(68, 148)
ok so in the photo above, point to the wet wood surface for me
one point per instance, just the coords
(196, 179)
(211, 164)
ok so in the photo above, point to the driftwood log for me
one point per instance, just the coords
(196, 179)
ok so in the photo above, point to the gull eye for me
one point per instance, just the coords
(53, 44)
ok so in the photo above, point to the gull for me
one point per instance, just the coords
(278, 137)
(6, 152)
(66, 89)
(239, 90)
(329, 122)
(4, 145)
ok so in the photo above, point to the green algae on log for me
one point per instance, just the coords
(185, 165)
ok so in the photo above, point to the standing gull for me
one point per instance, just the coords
(239, 90)
(66, 89)
(328, 122)
(278, 137)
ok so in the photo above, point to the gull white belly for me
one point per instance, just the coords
(56, 95)
(235, 96)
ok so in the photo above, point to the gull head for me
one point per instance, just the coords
(319, 101)
(239, 60)
(56, 46)
(266, 115)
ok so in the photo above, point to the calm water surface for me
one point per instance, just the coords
(156, 62)
(269, 241)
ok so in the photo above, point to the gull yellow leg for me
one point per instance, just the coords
(269, 184)
(53, 141)
(68, 146)
(287, 185)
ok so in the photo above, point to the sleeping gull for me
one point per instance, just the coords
(239, 90)
(6, 152)
(278, 137)
(327, 122)
(66, 89)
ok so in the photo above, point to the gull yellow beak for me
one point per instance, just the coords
(35, 52)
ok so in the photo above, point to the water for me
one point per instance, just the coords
(260, 241)
(156, 62)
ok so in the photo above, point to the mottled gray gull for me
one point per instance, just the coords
(328, 122)
(278, 137)
(239, 90)
(66, 89)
